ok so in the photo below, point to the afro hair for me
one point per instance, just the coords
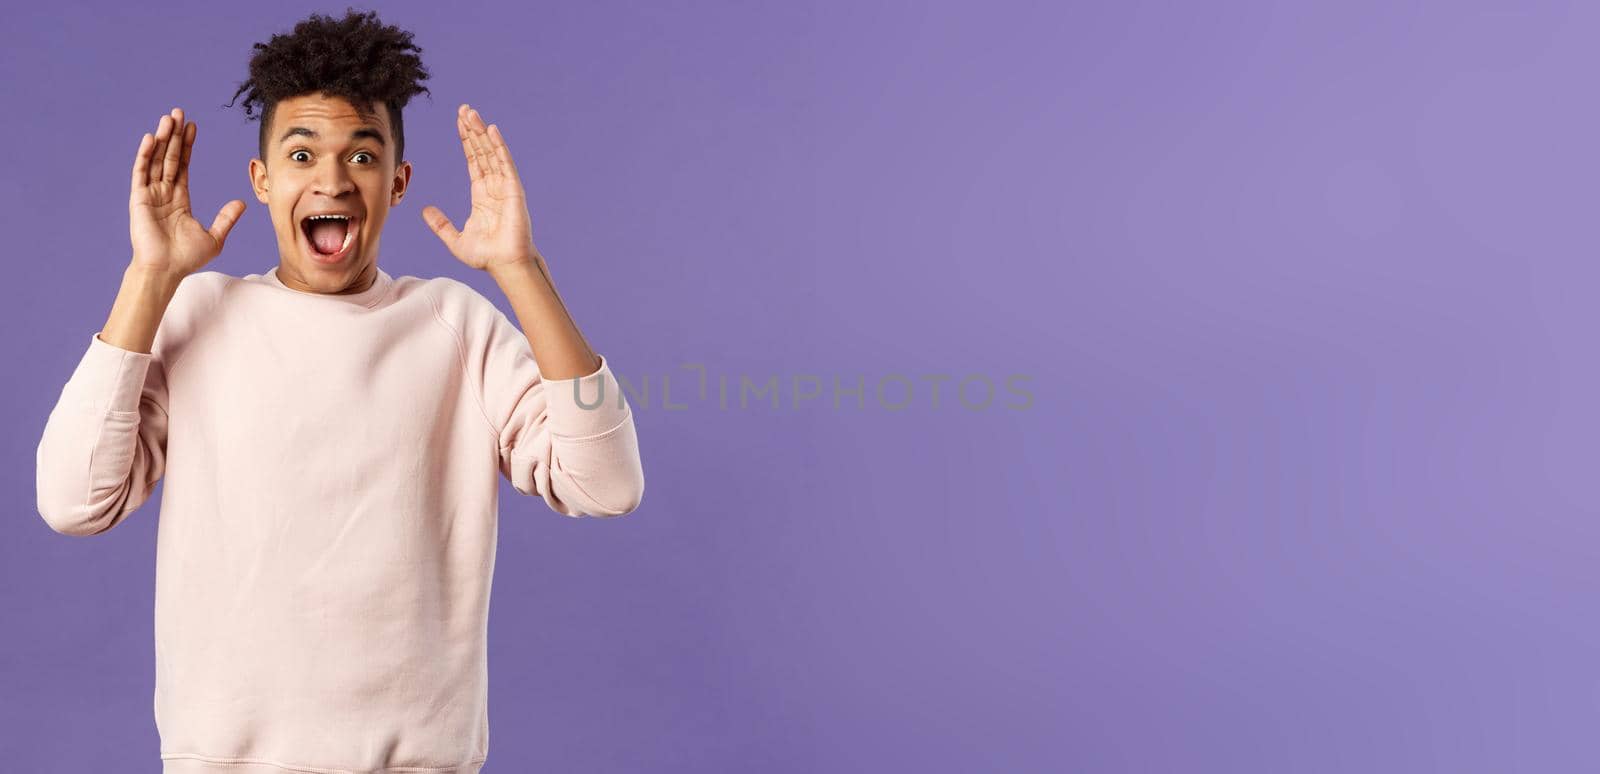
(357, 58)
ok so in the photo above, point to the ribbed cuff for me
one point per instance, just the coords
(584, 406)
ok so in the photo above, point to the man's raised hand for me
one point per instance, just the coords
(166, 237)
(498, 232)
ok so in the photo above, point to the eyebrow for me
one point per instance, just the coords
(372, 134)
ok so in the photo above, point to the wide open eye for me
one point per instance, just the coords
(297, 153)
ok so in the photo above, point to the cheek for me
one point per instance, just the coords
(285, 225)
(283, 199)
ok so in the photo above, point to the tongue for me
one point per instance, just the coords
(327, 235)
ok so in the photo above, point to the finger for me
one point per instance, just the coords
(164, 136)
(188, 150)
(503, 152)
(225, 219)
(158, 154)
(466, 149)
(474, 151)
(493, 154)
(480, 146)
(441, 226)
(174, 151)
(141, 162)
(466, 144)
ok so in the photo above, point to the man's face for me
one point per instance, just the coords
(325, 158)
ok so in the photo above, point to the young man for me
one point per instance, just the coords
(330, 436)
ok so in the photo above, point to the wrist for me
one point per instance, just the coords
(164, 280)
(531, 263)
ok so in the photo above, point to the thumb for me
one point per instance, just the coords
(225, 219)
(441, 225)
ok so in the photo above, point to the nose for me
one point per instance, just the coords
(332, 180)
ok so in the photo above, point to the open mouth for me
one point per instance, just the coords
(329, 238)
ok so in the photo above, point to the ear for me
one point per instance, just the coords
(402, 181)
(258, 179)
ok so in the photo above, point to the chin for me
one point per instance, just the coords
(335, 279)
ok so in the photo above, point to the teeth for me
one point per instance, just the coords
(349, 233)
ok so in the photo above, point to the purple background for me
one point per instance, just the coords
(1306, 296)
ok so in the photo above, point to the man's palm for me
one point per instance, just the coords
(498, 231)
(165, 235)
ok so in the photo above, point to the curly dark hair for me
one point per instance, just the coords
(357, 58)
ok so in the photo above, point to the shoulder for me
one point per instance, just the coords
(197, 296)
(201, 290)
(457, 303)
(193, 303)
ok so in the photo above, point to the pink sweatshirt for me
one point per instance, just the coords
(327, 529)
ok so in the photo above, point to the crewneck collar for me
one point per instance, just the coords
(366, 298)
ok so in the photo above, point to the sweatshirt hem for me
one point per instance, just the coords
(194, 763)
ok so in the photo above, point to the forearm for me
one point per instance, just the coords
(136, 314)
(558, 345)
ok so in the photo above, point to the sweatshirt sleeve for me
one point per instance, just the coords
(104, 443)
(569, 441)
